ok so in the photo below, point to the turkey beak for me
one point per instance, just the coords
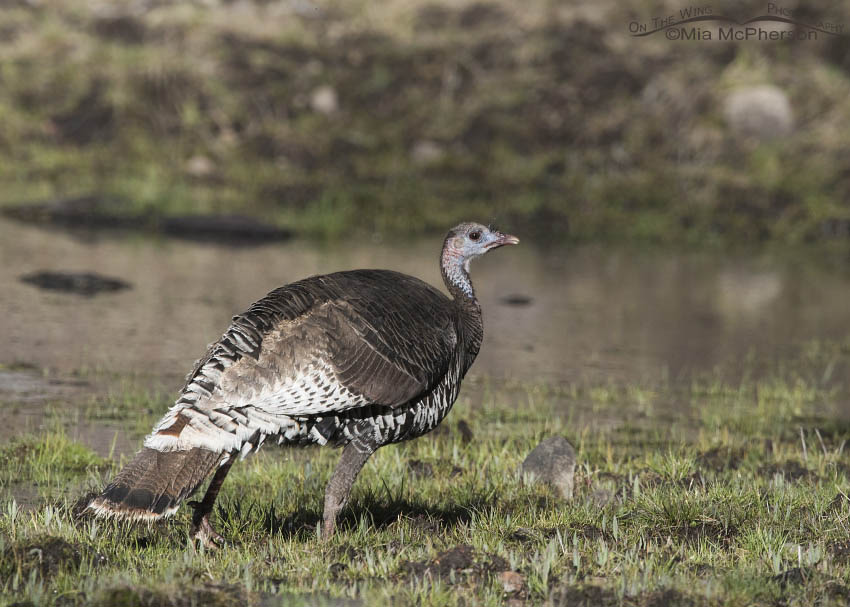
(504, 239)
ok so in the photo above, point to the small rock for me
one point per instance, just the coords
(324, 100)
(512, 582)
(199, 166)
(553, 462)
(426, 152)
(763, 112)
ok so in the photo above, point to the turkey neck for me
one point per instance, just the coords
(455, 270)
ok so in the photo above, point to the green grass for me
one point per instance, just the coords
(49, 458)
(720, 493)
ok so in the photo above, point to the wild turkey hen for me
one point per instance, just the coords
(358, 359)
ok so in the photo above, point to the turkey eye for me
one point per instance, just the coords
(474, 236)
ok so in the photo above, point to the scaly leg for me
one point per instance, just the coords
(202, 529)
(339, 487)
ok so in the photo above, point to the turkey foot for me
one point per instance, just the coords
(204, 533)
(202, 529)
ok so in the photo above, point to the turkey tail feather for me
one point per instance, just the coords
(154, 483)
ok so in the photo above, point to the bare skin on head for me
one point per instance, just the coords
(357, 359)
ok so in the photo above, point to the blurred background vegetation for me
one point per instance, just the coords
(405, 116)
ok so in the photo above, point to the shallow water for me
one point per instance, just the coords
(596, 314)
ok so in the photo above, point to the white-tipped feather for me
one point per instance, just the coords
(103, 508)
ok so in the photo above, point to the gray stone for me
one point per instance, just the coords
(763, 112)
(324, 100)
(200, 166)
(552, 462)
(426, 152)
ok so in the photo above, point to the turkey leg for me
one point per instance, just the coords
(339, 487)
(202, 529)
